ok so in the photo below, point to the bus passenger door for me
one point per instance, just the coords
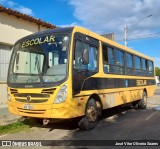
(84, 61)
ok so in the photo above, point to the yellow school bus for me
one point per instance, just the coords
(72, 72)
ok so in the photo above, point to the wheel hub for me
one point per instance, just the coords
(91, 114)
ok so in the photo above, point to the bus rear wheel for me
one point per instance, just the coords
(90, 119)
(142, 104)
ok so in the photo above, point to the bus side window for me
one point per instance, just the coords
(78, 55)
(119, 55)
(144, 67)
(105, 59)
(108, 59)
(92, 66)
(129, 64)
(150, 67)
(137, 65)
(78, 63)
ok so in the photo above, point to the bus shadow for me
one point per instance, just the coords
(60, 124)
(118, 110)
(71, 124)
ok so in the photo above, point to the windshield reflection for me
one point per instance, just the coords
(40, 60)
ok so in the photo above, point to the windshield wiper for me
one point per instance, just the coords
(38, 68)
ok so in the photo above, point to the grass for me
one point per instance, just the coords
(17, 126)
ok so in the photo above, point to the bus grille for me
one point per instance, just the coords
(32, 95)
(32, 100)
(31, 111)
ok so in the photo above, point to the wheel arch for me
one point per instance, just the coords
(145, 90)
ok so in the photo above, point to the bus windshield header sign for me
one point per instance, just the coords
(38, 41)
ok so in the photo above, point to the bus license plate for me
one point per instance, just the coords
(28, 107)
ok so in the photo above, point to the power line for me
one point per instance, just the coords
(153, 34)
(143, 37)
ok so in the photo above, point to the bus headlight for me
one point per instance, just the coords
(62, 95)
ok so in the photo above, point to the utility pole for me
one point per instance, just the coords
(125, 35)
(126, 29)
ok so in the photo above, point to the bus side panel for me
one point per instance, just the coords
(120, 97)
(150, 90)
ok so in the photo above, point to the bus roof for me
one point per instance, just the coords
(89, 33)
(50, 31)
(110, 42)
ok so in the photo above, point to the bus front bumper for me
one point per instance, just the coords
(41, 111)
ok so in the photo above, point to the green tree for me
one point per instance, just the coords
(157, 71)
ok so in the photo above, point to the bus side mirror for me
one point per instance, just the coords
(85, 57)
(17, 58)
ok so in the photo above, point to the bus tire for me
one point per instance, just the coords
(135, 105)
(90, 120)
(142, 104)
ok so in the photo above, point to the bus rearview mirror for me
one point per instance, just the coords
(85, 57)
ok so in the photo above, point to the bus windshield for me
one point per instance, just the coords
(41, 59)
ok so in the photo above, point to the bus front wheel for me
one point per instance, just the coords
(90, 119)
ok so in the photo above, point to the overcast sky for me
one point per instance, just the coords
(142, 18)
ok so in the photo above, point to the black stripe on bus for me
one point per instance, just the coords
(110, 83)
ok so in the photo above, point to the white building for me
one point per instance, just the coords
(13, 26)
